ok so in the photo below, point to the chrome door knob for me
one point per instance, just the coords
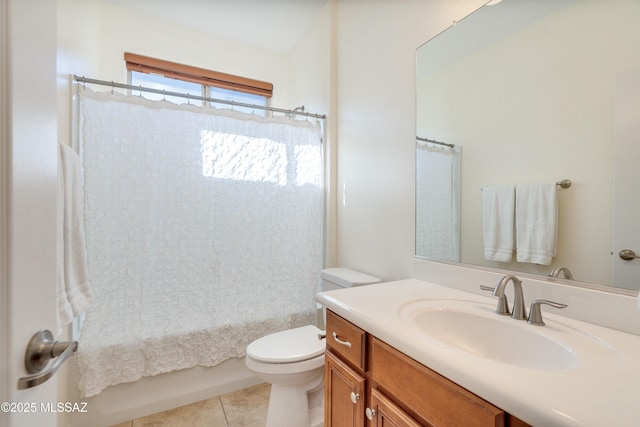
(627, 255)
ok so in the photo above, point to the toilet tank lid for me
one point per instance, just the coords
(346, 277)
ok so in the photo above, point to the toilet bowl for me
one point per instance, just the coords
(292, 361)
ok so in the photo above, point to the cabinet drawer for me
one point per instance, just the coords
(432, 397)
(346, 340)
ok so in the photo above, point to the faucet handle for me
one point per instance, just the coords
(535, 314)
(503, 304)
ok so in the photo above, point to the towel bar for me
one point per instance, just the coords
(565, 183)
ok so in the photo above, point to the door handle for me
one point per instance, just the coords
(627, 255)
(40, 350)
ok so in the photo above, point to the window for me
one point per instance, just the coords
(155, 81)
(173, 77)
(234, 95)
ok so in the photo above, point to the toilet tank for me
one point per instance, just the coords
(340, 277)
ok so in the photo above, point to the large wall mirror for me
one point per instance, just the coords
(534, 91)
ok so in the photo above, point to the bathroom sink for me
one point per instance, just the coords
(475, 328)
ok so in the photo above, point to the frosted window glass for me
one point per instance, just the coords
(154, 81)
(234, 95)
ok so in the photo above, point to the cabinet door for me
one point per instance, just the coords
(384, 413)
(343, 394)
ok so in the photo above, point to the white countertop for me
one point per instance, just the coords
(602, 387)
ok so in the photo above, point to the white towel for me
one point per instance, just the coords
(74, 291)
(498, 222)
(536, 223)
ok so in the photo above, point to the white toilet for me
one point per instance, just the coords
(292, 361)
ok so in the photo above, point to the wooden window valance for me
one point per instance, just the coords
(145, 64)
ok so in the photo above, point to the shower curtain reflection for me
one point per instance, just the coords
(438, 202)
(204, 232)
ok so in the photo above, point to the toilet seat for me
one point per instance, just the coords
(290, 346)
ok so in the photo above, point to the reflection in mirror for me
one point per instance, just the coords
(525, 91)
(437, 199)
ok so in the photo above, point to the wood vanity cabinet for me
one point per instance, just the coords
(369, 383)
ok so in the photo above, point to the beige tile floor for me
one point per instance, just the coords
(243, 408)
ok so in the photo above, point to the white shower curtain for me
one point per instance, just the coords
(437, 202)
(204, 232)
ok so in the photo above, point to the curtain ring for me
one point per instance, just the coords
(140, 91)
(111, 87)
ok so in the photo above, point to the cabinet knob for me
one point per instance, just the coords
(355, 397)
(371, 413)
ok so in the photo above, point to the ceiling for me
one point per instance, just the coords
(270, 24)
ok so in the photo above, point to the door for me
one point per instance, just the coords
(626, 223)
(386, 413)
(344, 394)
(28, 178)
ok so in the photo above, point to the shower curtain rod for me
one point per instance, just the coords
(435, 142)
(83, 80)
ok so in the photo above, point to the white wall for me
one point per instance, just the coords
(376, 127)
(77, 53)
(311, 83)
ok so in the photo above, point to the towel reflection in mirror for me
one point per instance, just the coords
(521, 218)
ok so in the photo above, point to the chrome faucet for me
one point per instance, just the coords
(556, 273)
(519, 311)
